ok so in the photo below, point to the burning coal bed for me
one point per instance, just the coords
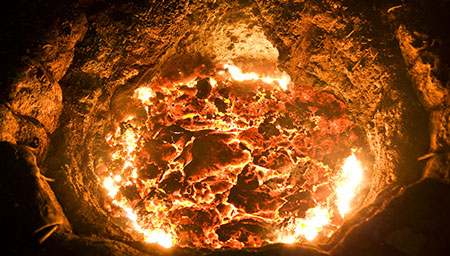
(231, 159)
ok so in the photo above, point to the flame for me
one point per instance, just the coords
(213, 82)
(346, 188)
(159, 214)
(144, 94)
(308, 228)
(160, 237)
(315, 220)
(110, 186)
(282, 79)
(155, 236)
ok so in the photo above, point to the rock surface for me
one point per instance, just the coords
(423, 229)
(424, 47)
(69, 244)
(35, 91)
(429, 88)
(30, 209)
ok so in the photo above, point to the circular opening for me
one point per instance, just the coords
(193, 129)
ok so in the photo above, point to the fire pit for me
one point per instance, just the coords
(229, 127)
(230, 159)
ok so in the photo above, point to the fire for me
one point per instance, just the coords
(346, 186)
(346, 189)
(314, 222)
(228, 159)
(112, 189)
(309, 227)
(144, 94)
(281, 78)
(159, 237)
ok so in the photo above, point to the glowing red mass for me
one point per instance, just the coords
(229, 161)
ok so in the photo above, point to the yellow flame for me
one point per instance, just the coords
(346, 189)
(112, 183)
(158, 236)
(109, 184)
(213, 82)
(309, 227)
(316, 218)
(144, 94)
(118, 178)
(289, 239)
(131, 141)
(282, 79)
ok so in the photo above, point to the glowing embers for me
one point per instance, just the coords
(230, 159)
(318, 219)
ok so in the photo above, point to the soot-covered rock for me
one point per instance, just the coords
(35, 92)
(70, 244)
(415, 223)
(203, 89)
(30, 210)
(297, 203)
(244, 231)
(172, 182)
(211, 152)
(246, 195)
(22, 130)
(150, 171)
(159, 152)
(220, 105)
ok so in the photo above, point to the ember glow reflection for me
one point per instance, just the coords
(219, 163)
